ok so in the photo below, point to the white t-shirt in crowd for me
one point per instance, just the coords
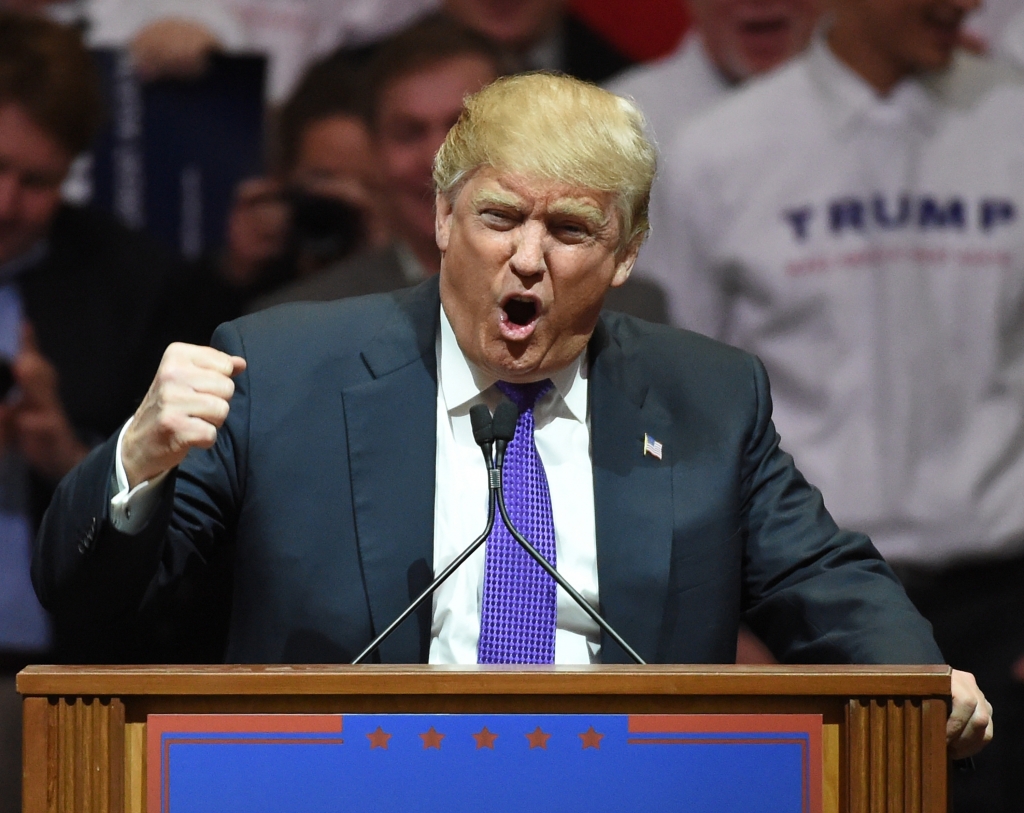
(991, 19)
(1011, 44)
(871, 251)
(673, 90)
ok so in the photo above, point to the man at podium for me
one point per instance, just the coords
(330, 449)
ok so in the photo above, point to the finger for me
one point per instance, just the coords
(966, 697)
(208, 408)
(181, 403)
(211, 359)
(198, 433)
(178, 381)
(975, 734)
(179, 355)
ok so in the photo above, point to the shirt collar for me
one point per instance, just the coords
(851, 100)
(461, 380)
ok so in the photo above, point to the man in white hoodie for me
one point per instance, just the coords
(857, 221)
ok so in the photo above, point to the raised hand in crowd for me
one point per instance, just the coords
(34, 421)
(173, 48)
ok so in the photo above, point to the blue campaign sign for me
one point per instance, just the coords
(173, 151)
(499, 763)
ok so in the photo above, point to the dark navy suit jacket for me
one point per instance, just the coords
(321, 488)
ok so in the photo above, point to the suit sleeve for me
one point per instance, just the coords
(84, 568)
(812, 592)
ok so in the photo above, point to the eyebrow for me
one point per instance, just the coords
(593, 215)
(490, 197)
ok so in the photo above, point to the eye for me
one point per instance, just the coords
(498, 218)
(571, 231)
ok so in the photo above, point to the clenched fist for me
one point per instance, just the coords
(185, 406)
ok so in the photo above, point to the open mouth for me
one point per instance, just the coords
(519, 317)
(521, 311)
(765, 27)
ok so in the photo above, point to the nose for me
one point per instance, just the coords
(529, 257)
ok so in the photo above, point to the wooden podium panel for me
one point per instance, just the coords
(883, 739)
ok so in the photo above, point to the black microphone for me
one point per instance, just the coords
(480, 417)
(504, 428)
(506, 416)
(483, 430)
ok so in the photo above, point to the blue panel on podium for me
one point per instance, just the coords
(498, 763)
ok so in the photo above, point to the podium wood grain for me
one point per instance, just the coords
(883, 738)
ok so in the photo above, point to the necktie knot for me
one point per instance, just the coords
(524, 396)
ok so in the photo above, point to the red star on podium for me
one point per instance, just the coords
(485, 739)
(379, 739)
(591, 739)
(538, 739)
(432, 739)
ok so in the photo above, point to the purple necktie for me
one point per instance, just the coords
(517, 623)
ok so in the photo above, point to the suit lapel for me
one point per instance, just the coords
(392, 441)
(632, 499)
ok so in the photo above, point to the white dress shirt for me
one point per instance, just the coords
(562, 436)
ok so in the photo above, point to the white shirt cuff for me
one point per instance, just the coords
(130, 509)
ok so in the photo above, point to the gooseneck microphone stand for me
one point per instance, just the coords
(483, 434)
(494, 435)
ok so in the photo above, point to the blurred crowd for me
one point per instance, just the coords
(841, 192)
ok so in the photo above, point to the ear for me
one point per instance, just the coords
(442, 221)
(625, 261)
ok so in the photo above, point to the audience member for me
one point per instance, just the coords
(728, 43)
(321, 203)
(857, 221)
(81, 309)
(417, 82)
(541, 35)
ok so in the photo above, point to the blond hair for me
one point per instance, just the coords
(556, 128)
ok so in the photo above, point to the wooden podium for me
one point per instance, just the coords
(882, 745)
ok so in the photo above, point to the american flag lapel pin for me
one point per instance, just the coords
(652, 447)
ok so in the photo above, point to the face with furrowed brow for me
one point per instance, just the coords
(525, 266)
